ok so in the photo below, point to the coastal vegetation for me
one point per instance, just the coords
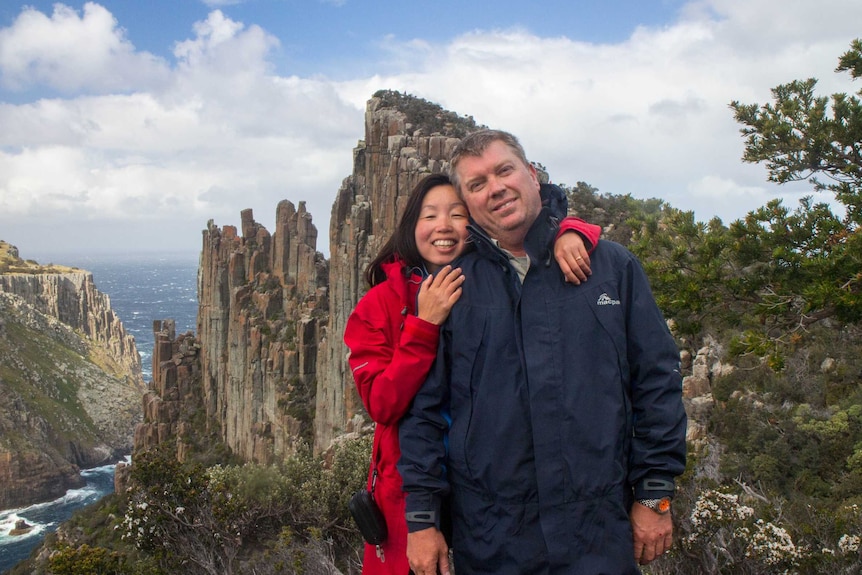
(778, 486)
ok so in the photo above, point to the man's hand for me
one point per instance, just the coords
(653, 533)
(572, 257)
(427, 552)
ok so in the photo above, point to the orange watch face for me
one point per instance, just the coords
(663, 505)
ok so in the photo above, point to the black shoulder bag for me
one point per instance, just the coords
(368, 516)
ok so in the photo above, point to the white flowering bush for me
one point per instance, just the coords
(727, 531)
(165, 503)
(840, 541)
(773, 546)
(848, 544)
(714, 508)
(727, 534)
(739, 531)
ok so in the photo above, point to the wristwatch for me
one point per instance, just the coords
(660, 506)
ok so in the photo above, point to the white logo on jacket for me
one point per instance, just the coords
(605, 299)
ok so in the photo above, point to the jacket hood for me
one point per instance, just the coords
(554, 198)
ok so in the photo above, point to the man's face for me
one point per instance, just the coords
(501, 192)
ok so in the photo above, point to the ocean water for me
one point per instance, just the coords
(142, 288)
(45, 517)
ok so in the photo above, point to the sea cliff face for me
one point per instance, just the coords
(72, 298)
(70, 380)
(262, 308)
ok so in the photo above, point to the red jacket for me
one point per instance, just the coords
(391, 352)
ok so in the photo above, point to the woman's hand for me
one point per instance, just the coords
(571, 254)
(439, 293)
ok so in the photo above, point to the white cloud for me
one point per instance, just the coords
(72, 52)
(649, 116)
(726, 195)
(223, 134)
(53, 174)
(220, 45)
(165, 148)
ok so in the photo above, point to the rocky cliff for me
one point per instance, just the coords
(268, 366)
(70, 380)
(174, 396)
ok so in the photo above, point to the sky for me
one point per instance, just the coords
(126, 126)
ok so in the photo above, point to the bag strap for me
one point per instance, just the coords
(374, 457)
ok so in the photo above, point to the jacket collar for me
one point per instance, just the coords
(404, 284)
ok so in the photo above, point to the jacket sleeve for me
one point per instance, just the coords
(659, 420)
(589, 232)
(422, 436)
(388, 373)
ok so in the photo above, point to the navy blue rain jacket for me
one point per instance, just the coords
(561, 397)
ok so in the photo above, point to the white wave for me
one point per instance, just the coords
(103, 469)
(71, 495)
(8, 519)
(79, 495)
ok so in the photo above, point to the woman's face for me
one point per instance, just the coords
(441, 231)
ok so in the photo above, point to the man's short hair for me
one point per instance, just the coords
(475, 144)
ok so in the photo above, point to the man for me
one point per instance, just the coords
(553, 415)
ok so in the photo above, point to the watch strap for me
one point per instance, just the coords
(660, 506)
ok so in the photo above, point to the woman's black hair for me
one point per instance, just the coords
(402, 242)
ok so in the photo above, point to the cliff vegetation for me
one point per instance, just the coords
(12, 264)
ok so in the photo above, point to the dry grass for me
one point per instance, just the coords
(10, 263)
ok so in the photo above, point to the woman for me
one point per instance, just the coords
(393, 331)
